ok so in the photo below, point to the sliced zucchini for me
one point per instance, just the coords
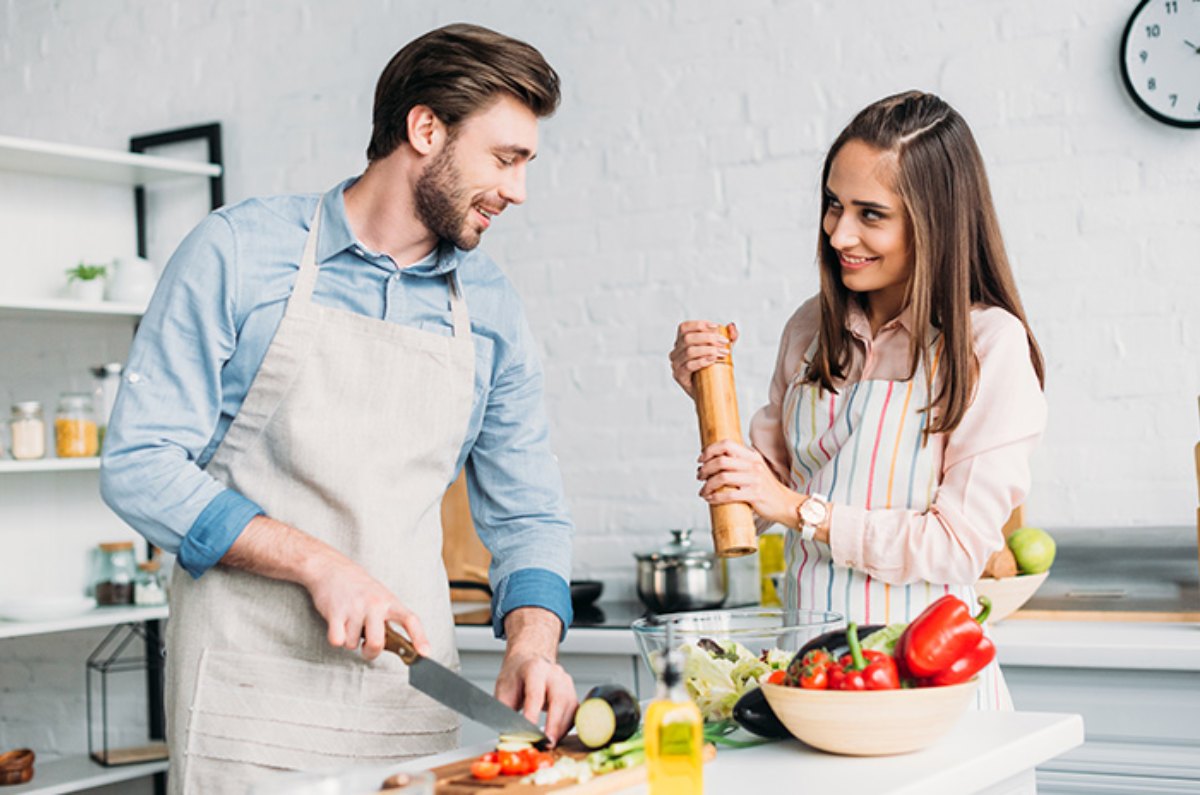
(609, 713)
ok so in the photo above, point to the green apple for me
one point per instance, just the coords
(1033, 548)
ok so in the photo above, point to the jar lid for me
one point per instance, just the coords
(117, 546)
(27, 406)
(112, 368)
(680, 548)
(149, 565)
(75, 400)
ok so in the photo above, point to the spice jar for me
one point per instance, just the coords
(75, 433)
(108, 382)
(28, 431)
(117, 570)
(148, 589)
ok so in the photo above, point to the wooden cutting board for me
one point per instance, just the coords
(455, 778)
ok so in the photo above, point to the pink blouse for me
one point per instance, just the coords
(985, 469)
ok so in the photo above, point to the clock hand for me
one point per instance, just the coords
(1193, 46)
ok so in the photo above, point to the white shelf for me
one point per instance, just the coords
(62, 307)
(99, 617)
(8, 466)
(75, 773)
(98, 165)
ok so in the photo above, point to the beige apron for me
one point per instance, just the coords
(350, 433)
(864, 447)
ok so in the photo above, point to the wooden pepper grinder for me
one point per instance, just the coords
(716, 407)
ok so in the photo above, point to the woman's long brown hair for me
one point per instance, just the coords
(958, 252)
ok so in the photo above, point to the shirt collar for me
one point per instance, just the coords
(336, 237)
(858, 324)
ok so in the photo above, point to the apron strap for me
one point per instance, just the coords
(307, 278)
(458, 307)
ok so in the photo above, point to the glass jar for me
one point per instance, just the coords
(28, 431)
(149, 588)
(75, 432)
(117, 572)
(108, 381)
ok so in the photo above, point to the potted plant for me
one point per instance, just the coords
(86, 282)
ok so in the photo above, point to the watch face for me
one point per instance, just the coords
(813, 511)
(1160, 60)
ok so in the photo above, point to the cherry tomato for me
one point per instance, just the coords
(491, 756)
(543, 759)
(512, 763)
(777, 677)
(484, 770)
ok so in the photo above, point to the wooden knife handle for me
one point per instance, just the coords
(394, 641)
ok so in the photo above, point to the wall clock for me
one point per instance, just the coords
(1160, 60)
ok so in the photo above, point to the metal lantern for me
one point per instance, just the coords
(121, 679)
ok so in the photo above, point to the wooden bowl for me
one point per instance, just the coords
(1009, 593)
(870, 723)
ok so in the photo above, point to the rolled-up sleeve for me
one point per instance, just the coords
(985, 475)
(169, 404)
(516, 493)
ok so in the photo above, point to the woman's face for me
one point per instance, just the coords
(868, 227)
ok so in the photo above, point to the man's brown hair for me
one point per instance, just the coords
(455, 71)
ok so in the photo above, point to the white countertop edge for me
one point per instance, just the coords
(1099, 644)
(1053, 644)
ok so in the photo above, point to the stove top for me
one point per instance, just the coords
(601, 615)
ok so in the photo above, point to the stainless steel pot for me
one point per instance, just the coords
(680, 576)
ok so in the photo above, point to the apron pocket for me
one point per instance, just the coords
(289, 714)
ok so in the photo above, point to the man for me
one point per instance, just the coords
(309, 377)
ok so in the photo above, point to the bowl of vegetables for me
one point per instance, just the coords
(878, 690)
(726, 653)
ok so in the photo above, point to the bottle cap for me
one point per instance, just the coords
(149, 565)
(117, 546)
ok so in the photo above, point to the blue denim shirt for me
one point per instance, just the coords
(207, 329)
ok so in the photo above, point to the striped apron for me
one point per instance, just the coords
(863, 447)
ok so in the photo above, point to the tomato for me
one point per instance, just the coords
(491, 756)
(484, 770)
(777, 677)
(513, 763)
(543, 759)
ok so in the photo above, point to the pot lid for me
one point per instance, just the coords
(680, 548)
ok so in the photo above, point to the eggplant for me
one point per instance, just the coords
(833, 642)
(608, 713)
(754, 714)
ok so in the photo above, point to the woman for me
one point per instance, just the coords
(907, 395)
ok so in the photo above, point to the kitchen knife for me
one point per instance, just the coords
(446, 687)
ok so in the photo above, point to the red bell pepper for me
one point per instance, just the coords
(863, 670)
(941, 635)
(966, 666)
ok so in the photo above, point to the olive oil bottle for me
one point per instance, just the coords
(674, 732)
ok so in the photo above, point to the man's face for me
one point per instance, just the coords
(479, 171)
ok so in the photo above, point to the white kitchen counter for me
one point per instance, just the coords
(988, 752)
(1067, 644)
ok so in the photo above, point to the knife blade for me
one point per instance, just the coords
(452, 690)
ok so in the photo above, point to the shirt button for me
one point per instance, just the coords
(133, 378)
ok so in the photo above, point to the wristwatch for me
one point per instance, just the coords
(813, 513)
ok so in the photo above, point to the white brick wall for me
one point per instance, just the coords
(679, 180)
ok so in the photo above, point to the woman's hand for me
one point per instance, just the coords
(698, 343)
(750, 480)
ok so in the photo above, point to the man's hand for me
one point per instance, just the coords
(353, 603)
(530, 679)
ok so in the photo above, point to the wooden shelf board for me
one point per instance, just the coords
(98, 617)
(99, 165)
(75, 773)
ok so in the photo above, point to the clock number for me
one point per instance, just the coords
(1143, 55)
(1152, 84)
(1174, 98)
(1152, 31)
(1172, 6)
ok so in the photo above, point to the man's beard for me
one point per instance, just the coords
(441, 201)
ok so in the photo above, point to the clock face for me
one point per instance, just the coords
(1160, 60)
